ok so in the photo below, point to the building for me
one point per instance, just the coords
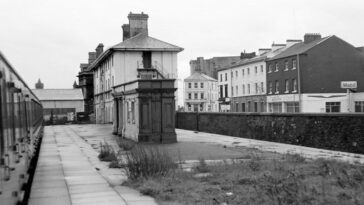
(60, 105)
(211, 66)
(200, 93)
(248, 79)
(306, 77)
(86, 81)
(135, 84)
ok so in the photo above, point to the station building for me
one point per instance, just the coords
(135, 84)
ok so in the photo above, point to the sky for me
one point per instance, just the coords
(48, 39)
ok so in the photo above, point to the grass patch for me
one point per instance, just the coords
(107, 153)
(290, 179)
(125, 144)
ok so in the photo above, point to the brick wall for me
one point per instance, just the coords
(342, 132)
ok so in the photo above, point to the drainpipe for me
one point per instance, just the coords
(299, 83)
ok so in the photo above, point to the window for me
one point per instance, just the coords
(256, 69)
(201, 85)
(261, 68)
(277, 68)
(248, 88)
(232, 91)
(226, 91)
(275, 107)
(129, 110)
(243, 89)
(332, 106)
(256, 88)
(248, 71)
(287, 86)
(231, 74)
(277, 87)
(262, 86)
(255, 106)
(202, 97)
(270, 87)
(221, 91)
(359, 106)
(201, 107)
(196, 85)
(237, 90)
(270, 68)
(242, 70)
(236, 73)
(189, 85)
(196, 96)
(294, 64)
(220, 77)
(294, 85)
(133, 112)
(292, 107)
(225, 76)
(286, 65)
(189, 96)
(243, 107)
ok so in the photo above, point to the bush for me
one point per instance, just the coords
(202, 166)
(107, 154)
(144, 162)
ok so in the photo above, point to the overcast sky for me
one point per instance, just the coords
(48, 39)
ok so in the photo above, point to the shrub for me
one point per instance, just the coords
(144, 162)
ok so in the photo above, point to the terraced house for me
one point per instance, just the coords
(134, 84)
(307, 77)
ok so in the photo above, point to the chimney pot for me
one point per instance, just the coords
(309, 37)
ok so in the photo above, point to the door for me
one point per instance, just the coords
(147, 59)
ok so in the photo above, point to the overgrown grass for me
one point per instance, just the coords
(125, 144)
(288, 180)
(144, 161)
(107, 153)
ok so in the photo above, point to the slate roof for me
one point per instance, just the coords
(140, 42)
(58, 94)
(143, 42)
(299, 48)
(200, 77)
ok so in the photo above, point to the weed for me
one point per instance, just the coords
(107, 154)
(202, 166)
(126, 144)
(144, 162)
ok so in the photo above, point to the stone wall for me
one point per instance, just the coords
(342, 132)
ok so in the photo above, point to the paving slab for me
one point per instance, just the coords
(69, 172)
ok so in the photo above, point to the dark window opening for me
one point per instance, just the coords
(147, 59)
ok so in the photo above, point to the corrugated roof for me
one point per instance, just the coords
(200, 77)
(58, 94)
(144, 42)
(299, 48)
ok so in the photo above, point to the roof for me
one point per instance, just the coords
(299, 48)
(200, 77)
(140, 42)
(58, 94)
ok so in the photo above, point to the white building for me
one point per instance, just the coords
(200, 93)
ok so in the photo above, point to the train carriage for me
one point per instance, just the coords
(20, 131)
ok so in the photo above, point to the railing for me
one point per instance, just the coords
(156, 71)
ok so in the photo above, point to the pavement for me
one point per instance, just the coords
(69, 171)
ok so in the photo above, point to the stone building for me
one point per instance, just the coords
(200, 93)
(307, 76)
(135, 84)
(211, 66)
(86, 81)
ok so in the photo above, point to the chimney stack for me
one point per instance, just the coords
(263, 50)
(291, 42)
(138, 23)
(91, 57)
(277, 46)
(39, 84)
(244, 55)
(99, 50)
(309, 37)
